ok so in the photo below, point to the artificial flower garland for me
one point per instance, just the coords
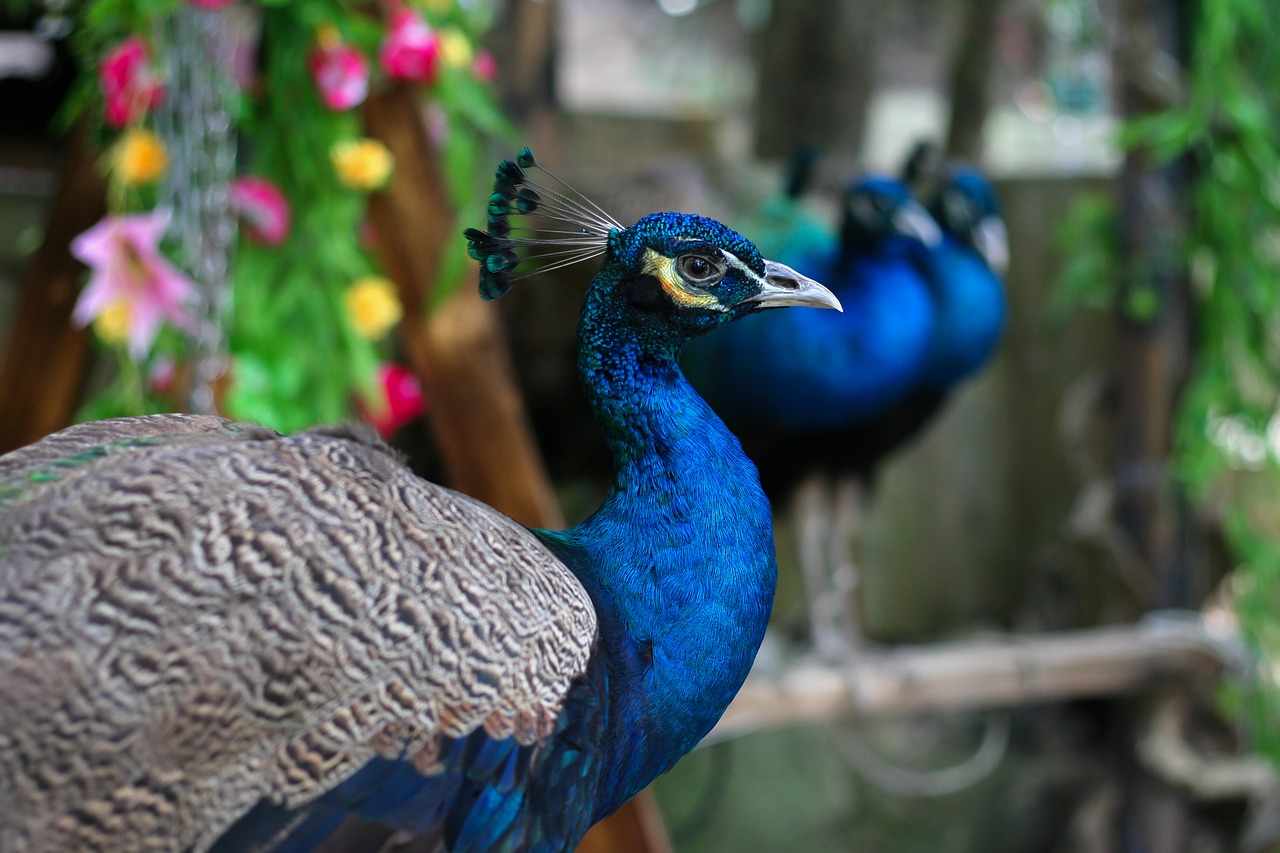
(309, 317)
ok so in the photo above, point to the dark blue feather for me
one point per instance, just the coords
(812, 375)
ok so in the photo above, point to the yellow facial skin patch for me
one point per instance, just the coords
(664, 270)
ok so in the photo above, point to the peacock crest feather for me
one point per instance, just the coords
(506, 246)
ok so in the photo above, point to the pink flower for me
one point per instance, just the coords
(484, 66)
(162, 376)
(263, 209)
(130, 86)
(127, 273)
(341, 72)
(402, 400)
(410, 49)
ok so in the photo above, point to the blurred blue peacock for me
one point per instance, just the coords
(216, 637)
(805, 374)
(796, 385)
(815, 395)
(963, 270)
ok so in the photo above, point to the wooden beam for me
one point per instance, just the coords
(987, 673)
(458, 352)
(46, 359)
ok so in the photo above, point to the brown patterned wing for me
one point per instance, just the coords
(192, 623)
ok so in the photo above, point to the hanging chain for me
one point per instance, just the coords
(195, 123)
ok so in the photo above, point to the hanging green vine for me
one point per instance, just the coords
(1227, 430)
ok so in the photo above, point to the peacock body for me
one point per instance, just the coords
(216, 637)
(817, 396)
(784, 376)
(963, 271)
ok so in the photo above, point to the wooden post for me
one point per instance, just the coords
(460, 356)
(46, 359)
(816, 68)
(1154, 348)
(458, 352)
(969, 83)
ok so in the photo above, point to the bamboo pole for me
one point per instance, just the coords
(985, 673)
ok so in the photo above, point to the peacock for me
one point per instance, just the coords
(963, 270)
(922, 313)
(795, 389)
(779, 376)
(967, 268)
(216, 637)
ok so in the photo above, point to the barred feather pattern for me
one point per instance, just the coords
(197, 615)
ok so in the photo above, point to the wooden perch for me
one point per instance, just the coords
(1013, 670)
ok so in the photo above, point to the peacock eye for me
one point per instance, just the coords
(699, 270)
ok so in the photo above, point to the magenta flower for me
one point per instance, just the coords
(130, 86)
(341, 72)
(263, 210)
(402, 400)
(127, 271)
(484, 66)
(410, 49)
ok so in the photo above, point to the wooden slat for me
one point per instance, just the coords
(46, 359)
(458, 352)
(988, 673)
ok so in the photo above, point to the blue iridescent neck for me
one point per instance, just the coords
(680, 558)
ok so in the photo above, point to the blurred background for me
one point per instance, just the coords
(1065, 585)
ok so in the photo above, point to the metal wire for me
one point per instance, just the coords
(195, 123)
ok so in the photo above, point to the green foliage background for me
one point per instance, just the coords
(1227, 432)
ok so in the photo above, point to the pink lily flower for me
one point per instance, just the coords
(263, 210)
(130, 86)
(341, 73)
(410, 49)
(126, 269)
(402, 400)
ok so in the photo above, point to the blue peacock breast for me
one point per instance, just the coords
(970, 313)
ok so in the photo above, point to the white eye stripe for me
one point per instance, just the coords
(736, 262)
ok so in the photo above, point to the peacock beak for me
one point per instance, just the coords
(913, 220)
(992, 242)
(782, 286)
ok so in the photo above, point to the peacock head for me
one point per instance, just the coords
(675, 274)
(966, 208)
(879, 211)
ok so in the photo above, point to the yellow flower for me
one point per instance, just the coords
(112, 325)
(362, 164)
(139, 158)
(373, 307)
(456, 48)
(327, 36)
